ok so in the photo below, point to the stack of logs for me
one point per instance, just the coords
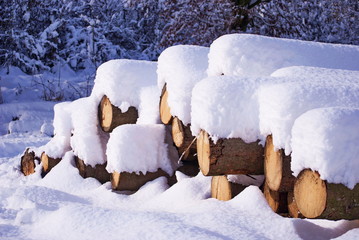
(305, 196)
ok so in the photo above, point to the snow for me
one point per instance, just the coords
(180, 68)
(138, 148)
(227, 107)
(301, 94)
(326, 140)
(253, 55)
(121, 81)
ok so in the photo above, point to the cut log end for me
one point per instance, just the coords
(229, 156)
(48, 162)
(292, 206)
(310, 194)
(272, 165)
(131, 181)
(277, 201)
(28, 163)
(165, 112)
(224, 190)
(178, 133)
(111, 116)
(183, 140)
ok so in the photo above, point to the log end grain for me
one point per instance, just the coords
(203, 152)
(165, 111)
(272, 165)
(310, 193)
(28, 163)
(224, 190)
(48, 162)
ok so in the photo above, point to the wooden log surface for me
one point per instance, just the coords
(111, 116)
(48, 162)
(229, 156)
(316, 198)
(277, 170)
(125, 181)
(165, 111)
(224, 190)
(27, 163)
(277, 201)
(98, 172)
(292, 206)
(183, 140)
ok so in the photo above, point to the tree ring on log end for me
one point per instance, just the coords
(272, 165)
(310, 193)
(106, 113)
(177, 132)
(165, 112)
(203, 152)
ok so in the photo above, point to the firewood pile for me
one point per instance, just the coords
(231, 146)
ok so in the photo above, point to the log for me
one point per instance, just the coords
(183, 140)
(165, 111)
(316, 198)
(125, 181)
(229, 156)
(27, 163)
(111, 116)
(292, 206)
(48, 162)
(224, 190)
(277, 170)
(277, 201)
(99, 172)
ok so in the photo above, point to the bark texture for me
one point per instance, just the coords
(98, 172)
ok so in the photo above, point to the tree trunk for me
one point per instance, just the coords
(132, 181)
(99, 172)
(229, 156)
(316, 198)
(183, 140)
(111, 116)
(277, 168)
(28, 163)
(276, 200)
(48, 162)
(224, 190)
(292, 206)
(165, 112)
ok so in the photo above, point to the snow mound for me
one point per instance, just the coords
(227, 107)
(253, 55)
(121, 81)
(326, 140)
(281, 103)
(181, 67)
(138, 148)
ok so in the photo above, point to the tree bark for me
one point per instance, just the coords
(28, 162)
(229, 156)
(165, 111)
(316, 198)
(224, 190)
(125, 181)
(276, 200)
(183, 140)
(277, 170)
(111, 116)
(98, 172)
(48, 162)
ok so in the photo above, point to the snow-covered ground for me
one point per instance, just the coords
(63, 205)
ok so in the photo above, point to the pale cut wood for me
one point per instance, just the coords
(277, 170)
(111, 116)
(229, 156)
(165, 111)
(99, 172)
(125, 181)
(292, 206)
(48, 162)
(316, 198)
(27, 163)
(277, 201)
(224, 190)
(183, 140)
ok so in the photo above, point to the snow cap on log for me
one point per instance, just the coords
(227, 107)
(281, 103)
(121, 80)
(181, 67)
(326, 140)
(138, 148)
(253, 55)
